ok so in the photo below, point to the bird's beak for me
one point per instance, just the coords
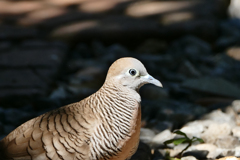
(149, 79)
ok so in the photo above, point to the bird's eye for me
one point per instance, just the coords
(132, 72)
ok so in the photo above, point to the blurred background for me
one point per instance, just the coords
(56, 52)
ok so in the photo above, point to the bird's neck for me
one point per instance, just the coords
(116, 109)
(122, 91)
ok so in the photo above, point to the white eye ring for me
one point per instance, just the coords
(132, 72)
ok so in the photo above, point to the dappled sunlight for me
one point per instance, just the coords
(71, 29)
(140, 18)
(99, 6)
(176, 17)
(63, 3)
(38, 16)
(21, 7)
(234, 52)
(148, 8)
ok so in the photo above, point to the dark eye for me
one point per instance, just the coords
(132, 72)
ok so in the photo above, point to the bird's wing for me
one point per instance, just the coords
(59, 134)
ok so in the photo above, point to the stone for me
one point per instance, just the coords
(233, 9)
(190, 46)
(150, 92)
(5, 45)
(195, 129)
(42, 57)
(158, 154)
(143, 152)
(151, 46)
(22, 82)
(227, 142)
(188, 69)
(10, 32)
(28, 68)
(59, 93)
(1, 128)
(236, 105)
(196, 154)
(214, 86)
(237, 151)
(108, 28)
(188, 158)
(19, 116)
(212, 149)
(146, 135)
(229, 158)
(230, 34)
(234, 53)
(220, 117)
(8, 128)
(236, 131)
(215, 131)
(17, 78)
(163, 136)
(159, 126)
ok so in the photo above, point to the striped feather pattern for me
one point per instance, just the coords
(95, 128)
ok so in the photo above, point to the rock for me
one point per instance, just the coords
(8, 128)
(190, 47)
(212, 149)
(229, 158)
(43, 56)
(188, 158)
(189, 70)
(158, 155)
(59, 93)
(21, 82)
(143, 152)
(108, 28)
(2, 115)
(236, 106)
(234, 53)
(220, 117)
(28, 69)
(227, 142)
(159, 126)
(150, 92)
(216, 131)
(163, 136)
(5, 45)
(146, 135)
(237, 151)
(234, 8)
(196, 154)
(176, 112)
(195, 129)
(2, 136)
(236, 131)
(10, 32)
(230, 34)
(152, 46)
(114, 52)
(19, 116)
(177, 149)
(215, 86)
(1, 129)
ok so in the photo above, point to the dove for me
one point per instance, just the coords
(104, 126)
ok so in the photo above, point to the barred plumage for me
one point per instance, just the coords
(103, 126)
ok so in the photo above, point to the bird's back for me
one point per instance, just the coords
(60, 134)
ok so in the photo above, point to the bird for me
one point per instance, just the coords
(104, 126)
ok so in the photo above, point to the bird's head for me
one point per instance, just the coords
(130, 72)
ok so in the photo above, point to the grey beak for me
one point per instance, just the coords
(149, 79)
